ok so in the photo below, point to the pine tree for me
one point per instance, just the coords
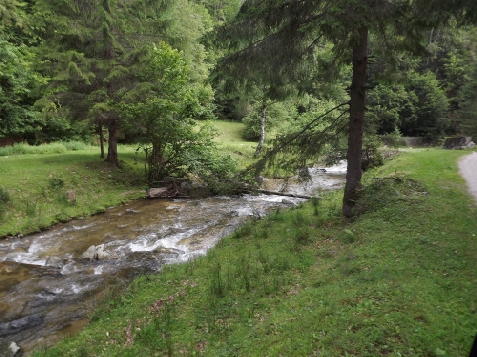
(467, 112)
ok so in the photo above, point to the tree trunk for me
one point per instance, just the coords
(262, 132)
(101, 140)
(356, 122)
(112, 143)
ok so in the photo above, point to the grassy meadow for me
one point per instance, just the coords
(231, 141)
(398, 280)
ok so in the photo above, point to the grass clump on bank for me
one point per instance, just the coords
(398, 280)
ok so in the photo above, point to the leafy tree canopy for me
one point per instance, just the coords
(163, 118)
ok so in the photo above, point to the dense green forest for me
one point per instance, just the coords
(328, 78)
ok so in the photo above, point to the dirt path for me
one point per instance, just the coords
(468, 170)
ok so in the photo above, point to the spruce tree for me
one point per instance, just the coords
(92, 50)
(83, 53)
(282, 36)
(467, 112)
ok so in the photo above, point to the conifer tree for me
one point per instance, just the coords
(92, 50)
(467, 113)
(283, 35)
(84, 55)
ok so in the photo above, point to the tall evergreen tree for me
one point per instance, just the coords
(84, 55)
(92, 49)
(467, 112)
(282, 35)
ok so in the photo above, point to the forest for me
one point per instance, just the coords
(329, 79)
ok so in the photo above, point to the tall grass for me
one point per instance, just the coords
(52, 148)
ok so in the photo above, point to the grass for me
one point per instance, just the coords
(230, 140)
(398, 280)
(37, 185)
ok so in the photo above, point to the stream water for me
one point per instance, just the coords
(48, 286)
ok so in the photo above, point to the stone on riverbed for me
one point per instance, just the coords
(11, 327)
(286, 201)
(54, 262)
(10, 349)
(96, 252)
(14, 349)
(157, 192)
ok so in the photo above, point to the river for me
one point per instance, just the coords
(48, 286)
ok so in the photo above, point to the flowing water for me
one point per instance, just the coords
(48, 285)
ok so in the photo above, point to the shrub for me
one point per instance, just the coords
(394, 140)
(55, 183)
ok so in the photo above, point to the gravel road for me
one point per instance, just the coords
(468, 170)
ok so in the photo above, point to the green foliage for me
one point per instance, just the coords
(17, 81)
(53, 148)
(417, 108)
(394, 139)
(277, 114)
(180, 148)
(371, 155)
(74, 145)
(430, 117)
(301, 142)
(387, 105)
(99, 64)
(467, 112)
(221, 10)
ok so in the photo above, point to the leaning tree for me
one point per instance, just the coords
(284, 36)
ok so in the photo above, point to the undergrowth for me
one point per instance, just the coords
(52, 148)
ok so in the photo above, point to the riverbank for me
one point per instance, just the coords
(38, 191)
(400, 279)
(41, 186)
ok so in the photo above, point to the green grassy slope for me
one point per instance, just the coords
(399, 280)
(36, 186)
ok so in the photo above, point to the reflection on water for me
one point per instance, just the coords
(47, 282)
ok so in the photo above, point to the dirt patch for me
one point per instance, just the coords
(468, 170)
